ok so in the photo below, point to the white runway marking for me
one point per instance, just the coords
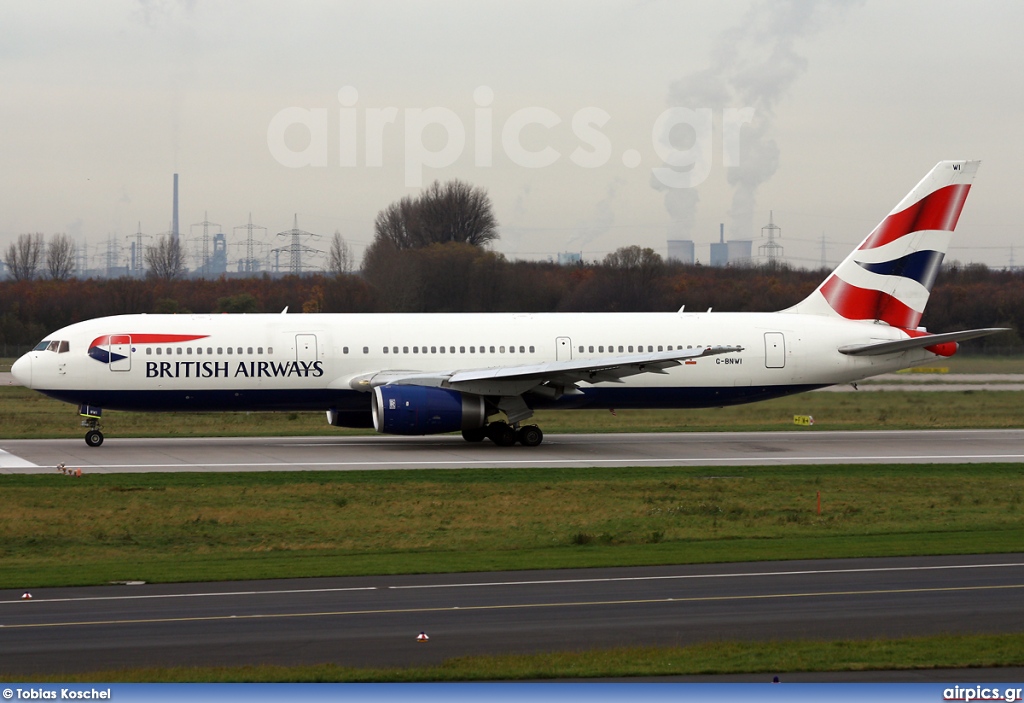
(10, 461)
(190, 595)
(612, 579)
(808, 572)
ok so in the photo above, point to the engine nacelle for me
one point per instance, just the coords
(418, 410)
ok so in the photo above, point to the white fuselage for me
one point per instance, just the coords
(311, 362)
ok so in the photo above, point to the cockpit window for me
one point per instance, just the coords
(52, 346)
(64, 348)
(42, 345)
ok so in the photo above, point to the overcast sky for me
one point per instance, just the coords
(841, 108)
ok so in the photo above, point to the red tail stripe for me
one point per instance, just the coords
(147, 338)
(938, 210)
(856, 303)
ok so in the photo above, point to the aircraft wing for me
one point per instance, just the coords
(550, 377)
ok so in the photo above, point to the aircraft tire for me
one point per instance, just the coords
(477, 435)
(501, 434)
(530, 436)
(94, 438)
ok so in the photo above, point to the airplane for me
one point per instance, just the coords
(486, 374)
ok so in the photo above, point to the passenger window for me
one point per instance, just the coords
(433, 350)
(659, 348)
(209, 350)
(451, 350)
(270, 350)
(149, 351)
(159, 351)
(591, 349)
(415, 350)
(366, 350)
(531, 349)
(522, 350)
(199, 350)
(394, 349)
(230, 350)
(492, 350)
(581, 350)
(601, 349)
(385, 350)
(247, 351)
(501, 350)
(220, 350)
(620, 347)
(169, 351)
(462, 350)
(239, 350)
(259, 350)
(344, 350)
(631, 348)
(405, 350)
(472, 350)
(442, 350)
(188, 350)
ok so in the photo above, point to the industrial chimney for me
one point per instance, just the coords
(174, 216)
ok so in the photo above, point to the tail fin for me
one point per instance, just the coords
(889, 277)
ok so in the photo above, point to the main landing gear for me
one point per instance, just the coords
(92, 415)
(505, 435)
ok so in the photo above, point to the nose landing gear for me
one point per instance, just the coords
(92, 415)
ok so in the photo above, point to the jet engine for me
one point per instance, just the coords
(419, 410)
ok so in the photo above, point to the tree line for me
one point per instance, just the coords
(429, 254)
(458, 277)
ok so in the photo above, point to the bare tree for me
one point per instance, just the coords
(339, 259)
(166, 258)
(453, 212)
(22, 257)
(60, 257)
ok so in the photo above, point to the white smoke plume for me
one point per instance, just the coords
(752, 65)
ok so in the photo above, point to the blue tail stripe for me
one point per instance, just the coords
(921, 266)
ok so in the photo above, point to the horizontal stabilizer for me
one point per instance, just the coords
(928, 340)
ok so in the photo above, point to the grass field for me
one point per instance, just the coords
(193, 527)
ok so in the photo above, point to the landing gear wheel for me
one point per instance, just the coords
(530, 436)
(94, 438)
(477, 435)
(501, 434)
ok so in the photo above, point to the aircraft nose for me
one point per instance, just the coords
(22, 371)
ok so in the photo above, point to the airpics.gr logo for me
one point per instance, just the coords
(112, 348)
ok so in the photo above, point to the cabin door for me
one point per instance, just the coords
(305, 348)
(774, 350)
(120, 352)
(563, 349)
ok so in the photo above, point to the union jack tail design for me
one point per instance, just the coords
(889, 277)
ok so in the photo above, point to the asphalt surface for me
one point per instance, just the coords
(450, 451)
(374, 621)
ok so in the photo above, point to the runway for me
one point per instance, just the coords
(374, 621)
(450, 452)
